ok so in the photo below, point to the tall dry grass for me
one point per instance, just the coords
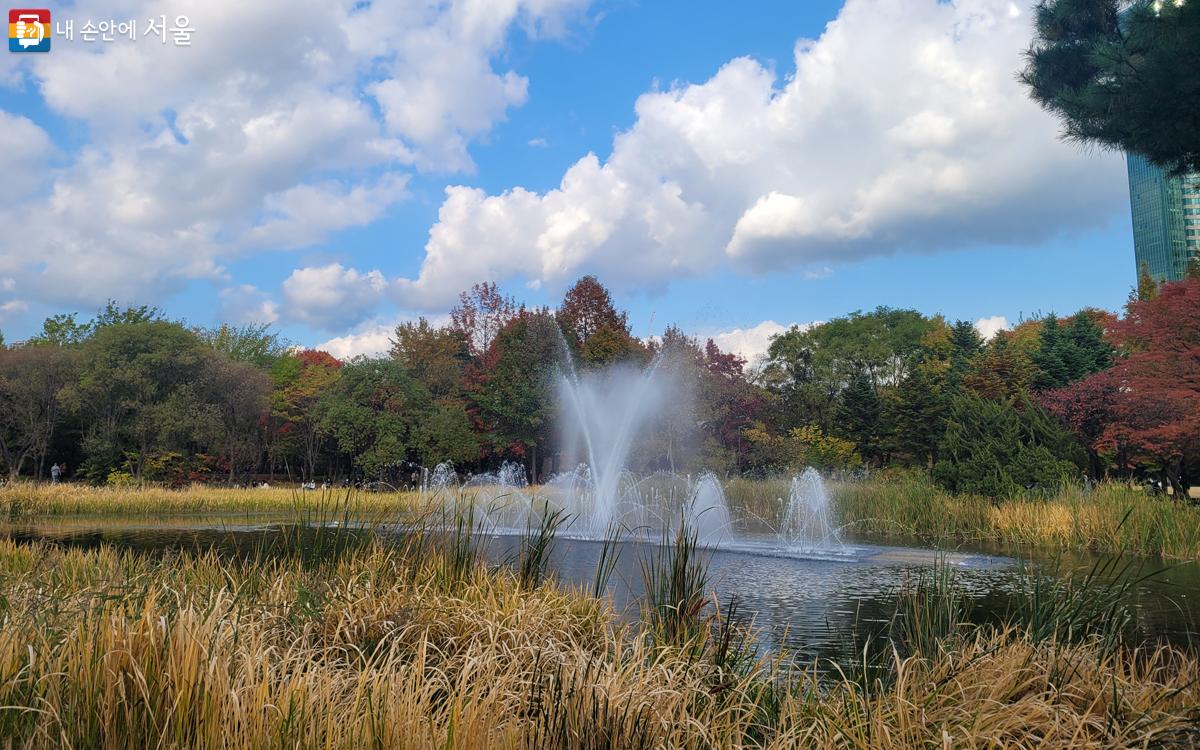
(34, 499)
(382, 647)
(1111, 517)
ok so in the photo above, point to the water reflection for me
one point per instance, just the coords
(812, 607)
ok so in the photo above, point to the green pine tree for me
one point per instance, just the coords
(965, 344)
(997, 449)
(1089, 351)
(1051, 357)
(858, 415)
(919, 416)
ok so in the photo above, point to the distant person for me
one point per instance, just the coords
(55, 473)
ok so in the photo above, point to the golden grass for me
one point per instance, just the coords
(1112, 517)
(28, 499)
(111, 649)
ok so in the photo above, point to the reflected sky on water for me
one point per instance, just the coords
(810, 606)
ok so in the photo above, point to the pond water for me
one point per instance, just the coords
(811, 605)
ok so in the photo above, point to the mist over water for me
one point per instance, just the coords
(622, 430)
(602, 415)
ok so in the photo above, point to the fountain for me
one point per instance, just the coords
(807, 518)
(604, 415)
(709, 512)
(607, 417)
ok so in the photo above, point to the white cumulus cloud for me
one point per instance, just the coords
(332, 296)
(246, 304)
(902, 129)
(750, 343)
(24, 150)
(372, 341)
(283, 122)
(989, 327)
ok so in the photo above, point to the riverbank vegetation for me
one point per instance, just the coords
(423, 646)
(130, 397)
(1106, 517)
(28, 500)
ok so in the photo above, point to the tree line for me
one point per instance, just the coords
(131, 396)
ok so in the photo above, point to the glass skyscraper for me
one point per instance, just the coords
(1166, 218)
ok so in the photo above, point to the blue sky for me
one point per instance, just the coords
(730, 168)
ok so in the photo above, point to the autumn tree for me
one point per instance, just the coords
(517, 394)
(1003, 372)
(593, 327)
(437, 357)
(480, 314)
(730, 404)
(1087, 408)
(34, 392)
(1147, 285)
(1149, 401)
(300, 380)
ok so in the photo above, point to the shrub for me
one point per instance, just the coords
(996, 449)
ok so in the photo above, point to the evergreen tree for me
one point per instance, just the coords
(1091, 352)
(997, 449)
(1070, 352)
(858, 415)
(1052, 369)
(919, 417)
(965, 345)
(1121, 75)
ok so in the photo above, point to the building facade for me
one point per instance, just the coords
(1166, 219)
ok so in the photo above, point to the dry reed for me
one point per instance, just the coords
(379, 647)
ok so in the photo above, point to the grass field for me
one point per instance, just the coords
(424, 647)
(27, 499)
(1110, 517)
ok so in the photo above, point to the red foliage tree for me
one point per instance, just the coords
(311, 357)
(1145, 410)
(480, 314)
(594, 327)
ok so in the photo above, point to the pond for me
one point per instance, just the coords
(812, 605)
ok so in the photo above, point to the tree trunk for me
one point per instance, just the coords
(14, 469)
